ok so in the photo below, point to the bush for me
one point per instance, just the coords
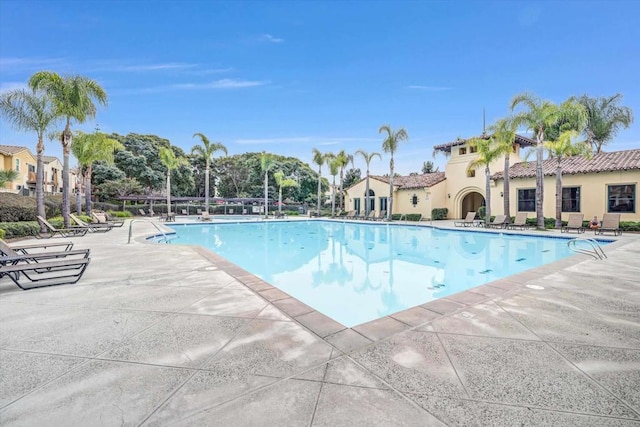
(120, 214)
(19, 229)
(408, 217)
(439, 213)
(482, 212)
(630, 226)
(2, 233)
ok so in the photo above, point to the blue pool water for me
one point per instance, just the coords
(357, 272)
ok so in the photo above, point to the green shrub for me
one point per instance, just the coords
(2, 233)
(12, 230)
(120, 214)
(407, 217)
(482, 212)
(630, 226)
(292, 213)
(439, 213)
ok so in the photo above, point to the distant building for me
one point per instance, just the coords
(24, 162)
(608, 182)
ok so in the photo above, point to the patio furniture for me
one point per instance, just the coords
(610, 222)
(500, 221)
(519, 222)
(26, 249)
(184, 212)
(103, 218)
(64, 232)
(205, 216)
(468, 221)
(382, 216)
(29, 271)
(574, 223)
(370, 217)
(350, 214)
(94, 227)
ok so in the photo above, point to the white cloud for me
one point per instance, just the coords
(136, 68)
(18, 64)
(271, 39)
(220, 84)
(430, 88)
(314, 140)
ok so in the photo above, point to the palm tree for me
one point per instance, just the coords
(488, 152)
(604, 119)
(73, 99)
(390, 145)
(503, 135)
(539, 116)
(367, 158)
(33, 112)
(170, 161)
(89, 148)
(343, 159)
(8, 176)
(267, 161)
(206, 152)
(565, 147)
(334, 168)
(283, 182)
(319, 159)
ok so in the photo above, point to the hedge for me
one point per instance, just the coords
(19, 229)
(408, 217)
(439, 213)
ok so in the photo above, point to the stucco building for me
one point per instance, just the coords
(608, 182)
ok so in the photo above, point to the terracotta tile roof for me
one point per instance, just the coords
(602, 162)
(415, 181)
(11, 149)
(522, 140)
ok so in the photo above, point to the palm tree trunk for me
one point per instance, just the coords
(78, 193)
(333, 198)
(319, 187)
(341, 189)
(487, 183)
(87, 191)
(391, 165)
(505, 190)
(559, 194)
(206, 187)
(67, 138)
(40, 181)
(539, 181)
(366, 194)
(280, 200)
(168, 192)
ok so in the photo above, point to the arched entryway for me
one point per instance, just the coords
(372, 201)
(471, 202)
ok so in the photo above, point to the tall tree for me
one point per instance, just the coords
(367, 158)
(390, 145)
(334, 169)
(319, 159)
(564, 147)
(488, 152)
(343, 160)
(89, 148)
(267, 161)
(73, 99)
(30, 112)
(283, 182)
(604, 119)
(539, 115)
(206, 152)
(170, 161)
(429, 167)
(503, 135)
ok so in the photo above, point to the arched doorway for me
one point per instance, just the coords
(372, 201)
(471, 203)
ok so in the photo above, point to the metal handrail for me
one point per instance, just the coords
(166, 239)
(596, 250)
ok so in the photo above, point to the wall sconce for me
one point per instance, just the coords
(501, 194)
(448, 195)
(414, 199)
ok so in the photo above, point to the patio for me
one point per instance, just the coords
(159, 334)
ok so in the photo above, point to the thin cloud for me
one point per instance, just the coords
(314, 140)
(271, 39)
(18, 64)
(137, 68)
(211, 71)
(430, 88)
(216, 84)
(7, 86)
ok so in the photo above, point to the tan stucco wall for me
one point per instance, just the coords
(593, 193)
(381, 189)
(9, 162)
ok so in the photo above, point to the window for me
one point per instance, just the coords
(17, 165)
(462, 151)
(356, 204)
(31, 168)
(571, 199)
(621, 198)
(527, 200)
(383, 203)
(471, 173)
(473, 149)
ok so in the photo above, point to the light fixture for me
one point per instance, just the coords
(414, 199)
(448, 195)
(501, 194)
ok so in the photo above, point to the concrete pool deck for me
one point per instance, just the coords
(159, 334)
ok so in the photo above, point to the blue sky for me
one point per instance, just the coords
(290, 76)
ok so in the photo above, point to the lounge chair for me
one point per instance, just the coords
(103, 218)
(205, 216)
(27, 249)
(574, 223)
(500, 221)
(519, 222)
(350, 214)
(142, 212)
(184, 212)
(610, 222)
(370, 217)
(94, 227)
(468, 221)
(29, 271)
(382, 216)
(64, 232)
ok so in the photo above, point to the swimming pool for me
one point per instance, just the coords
(357, 272)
